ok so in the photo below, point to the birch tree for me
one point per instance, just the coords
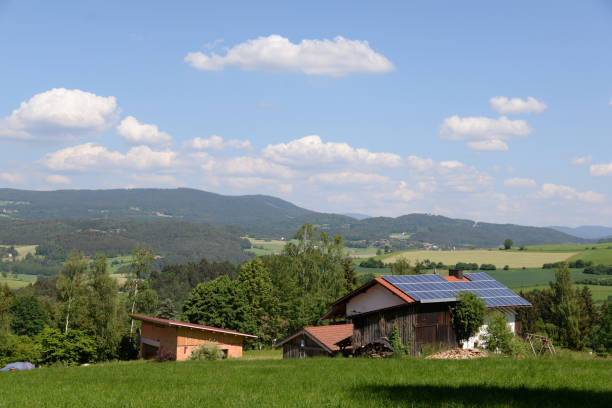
(142, 258)
(70, 284)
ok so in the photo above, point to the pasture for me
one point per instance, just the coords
(23, 250)
(317, 382)
(600, 293)
(514, 259)
(17, 281)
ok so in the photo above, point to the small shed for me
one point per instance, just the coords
(176, 340)
(318, 341)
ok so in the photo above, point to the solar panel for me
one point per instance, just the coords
(434, 288)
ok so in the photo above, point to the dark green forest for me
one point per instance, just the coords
(261, 216)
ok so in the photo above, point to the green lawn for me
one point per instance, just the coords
(317, 382)
(515, 278)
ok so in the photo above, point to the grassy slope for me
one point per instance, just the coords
(316, 382)
(600, 293)
(18, 281)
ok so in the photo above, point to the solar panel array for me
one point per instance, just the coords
(434, 288)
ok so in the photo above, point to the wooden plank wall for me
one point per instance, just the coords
(417, 324)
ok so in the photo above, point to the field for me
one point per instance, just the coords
(317, 382)
(518, 278)
(600, 293)
(263, 247)
(118, 262)
(17, 281)
(23, 250)
(514, 259)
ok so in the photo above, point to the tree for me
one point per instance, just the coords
(70, 284)
(28, 316)
(72, 348)
(602, 337)
(350, 277)
(216, 303)
(401, 267)
(6, 299)
(565, 311)
(140, 266)
(508, 243)
(589, 315)
(167, 310)
(101, 316)
(499, 336)
(467, 315)
(256, 288)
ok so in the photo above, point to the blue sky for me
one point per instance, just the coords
(481, 110)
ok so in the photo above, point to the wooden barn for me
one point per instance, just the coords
(175, 340)
(419, 305)
(317, 341)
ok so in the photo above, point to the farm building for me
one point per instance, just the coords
(175, 340)
(419, 305)
(318, 341)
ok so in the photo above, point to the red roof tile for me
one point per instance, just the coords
(395, 290)
(166, 322)
(330, 335)
(451, 278)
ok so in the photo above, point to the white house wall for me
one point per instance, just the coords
(476, 339)
(375, 298)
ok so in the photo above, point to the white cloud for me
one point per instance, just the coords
(600, 170)
(57, 179)
(247, 165)
(493, 145)
(569, 193)
(154, 179)
(403, 193)
(514, 106)
(216, 143)
(483, 134)
(89, 156)
(579, 161)
(347, 177)
(336, 57)
(60, 114)
(419, 163)
(12, 178)
(520, 182)
(311, 150)
(136, 133)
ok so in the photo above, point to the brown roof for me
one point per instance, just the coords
(177, 323)
(325, 336)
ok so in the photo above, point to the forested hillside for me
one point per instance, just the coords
(176, 241)
(256, 215)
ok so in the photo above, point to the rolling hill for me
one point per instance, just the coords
(587, 231)
(259, 215)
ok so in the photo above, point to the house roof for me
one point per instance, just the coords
(324, 336)
(177, 323)
(433, 288)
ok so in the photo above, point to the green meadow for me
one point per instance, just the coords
(317, 382)
(16, 281)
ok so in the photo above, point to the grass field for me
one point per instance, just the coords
(514, 259)
(317, 382)
(23, 250)
(120, 262)
(600, 293)
(18, 281)
(516, 278)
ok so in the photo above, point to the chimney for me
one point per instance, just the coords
(457, 273)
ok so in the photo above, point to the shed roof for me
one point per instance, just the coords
(325, 336)
(177, 323)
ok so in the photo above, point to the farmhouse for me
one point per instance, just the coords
(175, 340)
(419, 305)
(318, 341)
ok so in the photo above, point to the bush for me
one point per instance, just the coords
(498, 337)
(487, 267)
(400, 349)
(506, 267)
(18, 348)
(207, 351)
(467, 315)
(72, 348)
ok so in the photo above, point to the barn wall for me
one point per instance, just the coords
(375, 298)
(166, 336)
(190, 339)
(293, 349)
(418, 324)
